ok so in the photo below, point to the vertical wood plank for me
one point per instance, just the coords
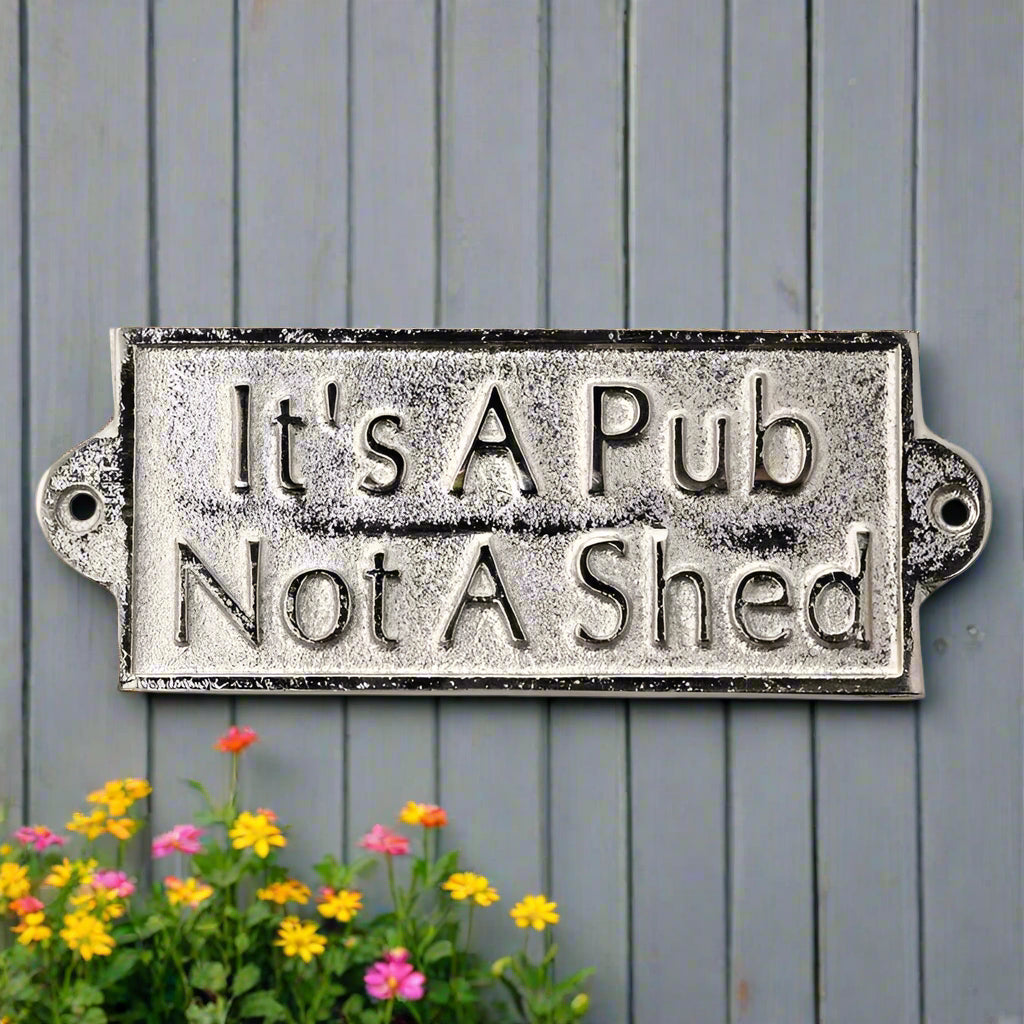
(293, 231)
(88, 272)
(493, 752)
(193, 109)
(11, 409)
(863, 132)
(772, 954)
(969, 259)
(394, 273)
(589, 865)
(677, 749)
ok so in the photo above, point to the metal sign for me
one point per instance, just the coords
(617, 512)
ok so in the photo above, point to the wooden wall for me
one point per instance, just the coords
(661, 163)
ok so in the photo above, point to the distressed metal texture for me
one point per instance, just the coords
(559, 511)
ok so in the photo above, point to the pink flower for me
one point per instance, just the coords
(39, 837)
(381, 839)
(26, 905)
(184, 838)
(393, 978)
(116, 882)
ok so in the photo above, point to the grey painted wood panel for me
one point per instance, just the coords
(863, 168)
(771, 870)
(12, 494)
(677, 749)
(193, 115)
(493, 752)
(589, 860)
(969, 267)
(88, 266)
(391, 742)
(293, 233)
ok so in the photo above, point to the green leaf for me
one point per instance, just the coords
(209, 1014)
(258, 913)
(94, 1015)
(242, 942)
(84, 995)
(120, 966)
(209, 976)
(262, 1004)
(438, 951)
(247, 977)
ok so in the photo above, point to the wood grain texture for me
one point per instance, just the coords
(88, 271)
(192, 148)
(391, 742)
(293, 231)
(969, 266)
(771, 865)
(588, 739)
(494, 754)
(863, 172)
(12, 494)
(677, 750)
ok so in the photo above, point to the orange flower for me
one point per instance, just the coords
(236, 739)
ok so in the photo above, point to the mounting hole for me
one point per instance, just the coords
(82, 506)
(80, 509)
(953, 509)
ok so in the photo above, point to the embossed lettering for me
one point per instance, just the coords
(377, 447)
(331, 396)
(241, 429)
(507, 444)
(717, 479)
(858, 586)
(762, 477)
(285, 422)
(661, 581)
(602, 588)
(498, 599)
(341, 604)
(600, 435)
(379, 575)
(741, 603)
(190, 564)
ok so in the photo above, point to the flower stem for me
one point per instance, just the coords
(391, 1002)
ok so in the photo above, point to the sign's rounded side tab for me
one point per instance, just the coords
(80, 504)
(948, 511)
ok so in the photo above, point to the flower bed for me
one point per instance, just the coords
(234, 937)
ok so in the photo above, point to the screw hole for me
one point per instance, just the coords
(82, 506)
(953, 509)
(954, 513)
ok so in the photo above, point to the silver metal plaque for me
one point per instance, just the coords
(596, 512)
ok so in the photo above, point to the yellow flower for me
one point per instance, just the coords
(299, 938)
(89, 901)
(191, 891)
(342, 905)
(412, 813)
(465, 885)
(136, 789)
(91, 825)
(291, 890)
(113, 797)
(5, 850)
(61, 874)
(32, 929)
(14, 881)
(87, 934)
(257, 831)
(123, 828)
(118, 795)
(537, 911)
